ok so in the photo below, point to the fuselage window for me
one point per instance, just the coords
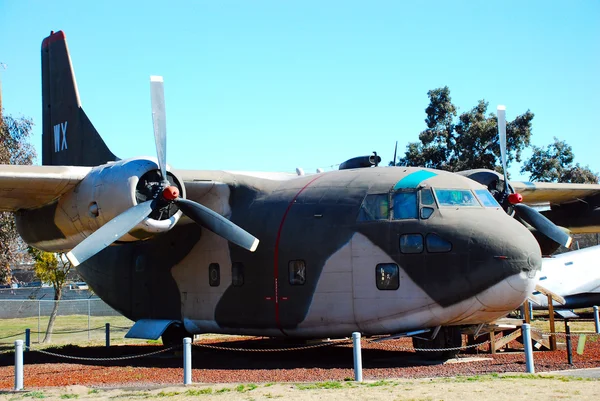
(486, 198)
(411, 243)
(297, 272)
(456, 197)
(214, 275)
(237, 274)
(375, 207)
(405, 205)
(436, 244)
(387, 276)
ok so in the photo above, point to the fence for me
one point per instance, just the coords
(76, 321)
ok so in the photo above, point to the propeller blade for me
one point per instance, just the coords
(159, 122)
(216, 223)
(109, 233)
(502, 134)
(542, 224)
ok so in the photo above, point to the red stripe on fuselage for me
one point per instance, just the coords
(276, 261)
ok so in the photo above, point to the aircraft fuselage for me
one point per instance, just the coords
(375, 250)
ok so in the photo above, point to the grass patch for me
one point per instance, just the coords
(132, 395)
(168, 394)
(223, 390)
(93, 391)
(200, 391)
(316, 386)
(69, 396)
(34, 394)
(69, 323)
(378, 383)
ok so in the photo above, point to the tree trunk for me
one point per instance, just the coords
(57, 297)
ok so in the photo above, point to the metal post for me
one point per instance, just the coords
(18, 365)
(89, 319)
(39, 318)
(357, 357)
(569, 351)
(107, 330)
(529, 366)
(27, 339)
(596, 320)
(187, 360)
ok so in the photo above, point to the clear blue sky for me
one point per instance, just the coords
(273, 85)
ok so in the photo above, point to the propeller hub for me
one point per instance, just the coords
(170, 193)
(515, 198)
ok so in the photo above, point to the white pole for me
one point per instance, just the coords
(596, 319)
(187, 360)
(357, 357)
(18, 365)
(89, 319)
(39, 317)
(529, 366)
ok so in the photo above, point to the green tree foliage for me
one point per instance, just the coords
(469, 142)
(51, 269)
(14, 149)
(555, 163)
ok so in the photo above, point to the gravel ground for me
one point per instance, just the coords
(382, 360)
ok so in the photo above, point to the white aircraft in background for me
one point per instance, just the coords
(574, 275)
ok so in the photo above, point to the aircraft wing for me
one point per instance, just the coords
(30, 187)
(550, 193)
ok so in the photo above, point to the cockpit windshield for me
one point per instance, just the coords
(456, 197)
(486, 198)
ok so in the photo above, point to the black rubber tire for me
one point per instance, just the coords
(448, 337)
(174, 335)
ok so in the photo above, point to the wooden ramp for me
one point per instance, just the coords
(504, 331)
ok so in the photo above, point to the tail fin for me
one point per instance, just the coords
(68, 136)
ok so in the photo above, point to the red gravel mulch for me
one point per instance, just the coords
(380, 361)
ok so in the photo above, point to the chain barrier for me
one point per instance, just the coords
(302, 347)
(398, 347)
(120, 358)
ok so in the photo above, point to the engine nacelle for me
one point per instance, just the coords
(106, 192)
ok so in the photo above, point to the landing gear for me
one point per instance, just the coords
(447, 337)
(174, 335)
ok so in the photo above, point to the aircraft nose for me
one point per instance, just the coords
(513, 259)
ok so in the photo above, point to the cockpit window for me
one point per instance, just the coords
(405, 205)
(456, 197)
(427, 197)
(427, 203)
(486, 198)
(375, 207)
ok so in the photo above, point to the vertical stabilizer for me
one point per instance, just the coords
(68, 136)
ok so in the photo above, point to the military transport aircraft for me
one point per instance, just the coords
(382, 250)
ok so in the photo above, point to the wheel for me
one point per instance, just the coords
(447, 337)
(174, 335)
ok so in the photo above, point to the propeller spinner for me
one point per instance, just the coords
(164, 194)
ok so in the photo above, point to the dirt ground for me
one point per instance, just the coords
(488, 387)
